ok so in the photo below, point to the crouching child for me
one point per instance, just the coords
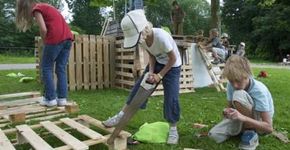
(250, 107)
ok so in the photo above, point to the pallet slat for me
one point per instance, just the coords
(86, 71)
(64, 136)
(5, 96)
(93, 62)
(81, 128)
(35, 140)
(5, 144)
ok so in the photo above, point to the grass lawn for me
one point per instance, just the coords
(12, 59)
(203, 106)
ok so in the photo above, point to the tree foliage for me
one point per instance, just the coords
(263, 25)
(10, 36)
(86, 17)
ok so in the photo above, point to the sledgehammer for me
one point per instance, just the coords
(145, 90)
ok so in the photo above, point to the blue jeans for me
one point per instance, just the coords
(170, 81)
(55, 55)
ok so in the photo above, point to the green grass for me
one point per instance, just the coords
(203, 106)
(13, 59)
(262, 61)
(12, 85)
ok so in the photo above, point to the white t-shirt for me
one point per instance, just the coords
(162, 44)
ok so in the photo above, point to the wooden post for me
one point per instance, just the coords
(17, 118)
(119, 144)
(72, 108)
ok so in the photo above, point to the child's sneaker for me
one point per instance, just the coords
(173, 137)
(61, 102)
(111, 122)
(47, 103)
(249, 140)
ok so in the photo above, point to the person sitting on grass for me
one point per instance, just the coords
(57, 39)
(214, 45)
(250, 107)
(164, 64)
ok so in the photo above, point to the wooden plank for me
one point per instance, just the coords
(45, 113)
(93, 61)
(36, 126)
(34, 140)
(122, 81)
(106, 63)
(121, 50)
(127, 66)
(21, 102)
(100, 61)
(124, 74)
(125, 57)
(79, 70)
(99, 124)
(64, 136)
(82, 129)
(22, 109)
(71, 68)
(87, 142)
(5, 96)
(5, 144)
(86, 71)
(112, 62)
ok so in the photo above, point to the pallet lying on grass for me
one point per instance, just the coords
(24, 107)
(82, 124)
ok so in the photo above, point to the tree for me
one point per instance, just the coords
(10, 36)
(263, 25)
(86, 17)
(215, 11)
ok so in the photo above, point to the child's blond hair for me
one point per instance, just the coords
(24, 17)
(146, 31)
(237, 68)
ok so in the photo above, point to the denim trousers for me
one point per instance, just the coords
(55, 55)
(170, 81)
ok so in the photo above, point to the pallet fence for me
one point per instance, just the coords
(97, 62)
(89, 62)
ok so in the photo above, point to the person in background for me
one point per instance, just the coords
(250, 107)
(226, 44)
(57, 38)
(214, 45)
(241, 49)
(177, 18)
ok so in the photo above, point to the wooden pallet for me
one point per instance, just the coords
(24, 107)
(82, 124)
(90, 64)
(214, 71)
(131, 63)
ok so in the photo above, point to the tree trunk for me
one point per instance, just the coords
(215, 17)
